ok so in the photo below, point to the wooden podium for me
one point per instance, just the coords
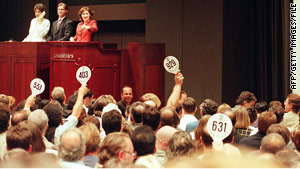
(56, 63)
(20, 62)
(109, 67)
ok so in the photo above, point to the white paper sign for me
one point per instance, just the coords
(219, 126)
(171, 64)
(83, 74)
(37, 86)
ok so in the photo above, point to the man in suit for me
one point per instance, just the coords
(62, 29)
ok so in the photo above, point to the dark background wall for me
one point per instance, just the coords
(214, 41)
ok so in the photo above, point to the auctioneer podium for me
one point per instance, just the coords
(109, 67)
(20, 62)
(56, 63)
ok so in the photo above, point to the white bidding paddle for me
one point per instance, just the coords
(83, 74)
(37, 86)
(219, 126)
(171, 64)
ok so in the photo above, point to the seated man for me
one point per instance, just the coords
(117, 145)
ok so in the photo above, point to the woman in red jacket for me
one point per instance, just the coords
(86, 27)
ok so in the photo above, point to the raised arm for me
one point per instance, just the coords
(79, 102)
(175, 95)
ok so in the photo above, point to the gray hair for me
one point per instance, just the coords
(180, 144)
(68, 151)
(58, 93)
(39, 118)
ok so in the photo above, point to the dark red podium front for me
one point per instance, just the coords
(109, 67)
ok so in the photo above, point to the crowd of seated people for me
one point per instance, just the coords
(99, 132)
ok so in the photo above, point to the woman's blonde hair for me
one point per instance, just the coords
(242, 118)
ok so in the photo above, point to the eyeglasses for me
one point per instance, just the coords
(132, 154)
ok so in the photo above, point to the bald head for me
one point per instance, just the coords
(272, 143)
(163, 136)
(169, 117)
(72, 145)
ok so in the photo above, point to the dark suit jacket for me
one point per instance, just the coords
(253, 141)
(64, 31)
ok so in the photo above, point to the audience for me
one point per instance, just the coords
(95, 133)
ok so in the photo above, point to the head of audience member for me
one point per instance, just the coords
(246, 99)
(39, 118)
(58, 94)
(116, 145)
(54, 112)
(109, 107)
(272, 143)
(275, 103)
(12, 102)
(21, 105)
(265, 120)
(183, 95)
(292, 103)
(149, 99)
(295, 136)
(163, 137)
(18, 117)
(15, 158)
(85, 13)
(278, 111)
(189, 105)
(288, 158)
(62, 10)
(178, 108)
(208, 106)
(143, 140)
(4, 119)
(81, 117)
(252, 115)
(19, 136)
(72, 100)
(242, 118)
(136, 110)
(199, 132)
(127, 127)
(180, 144)
(88, 97)
(71, 145)
(43, 103)
(42, 159)
(223, 108)
(151, 117)
(92, 136)
(91, 119)
(282, 130)
(261, 106)
(4, 99)
(230, 114)
(112, 121)
(38, 9)
(37, 142)
(169, 117)
(126, 95)
(101, 102)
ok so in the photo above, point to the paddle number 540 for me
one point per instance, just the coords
(218, 126)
